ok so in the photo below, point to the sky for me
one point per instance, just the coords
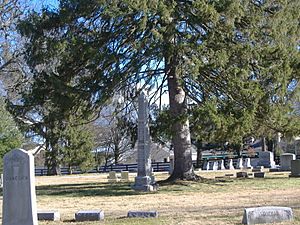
(37, 5)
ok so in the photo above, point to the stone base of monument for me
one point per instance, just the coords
(142, 214)
(92, 215)
(48, 215)
(269, 214)
(145, 183)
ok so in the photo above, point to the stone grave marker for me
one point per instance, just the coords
(142, 214)
(295, 168)
(285, 161)
(269, 214)
(19, 198)
(89, 215)
(222, 166)
(48, 215)
(230, 164)
(144, 181)
(239, 164)
(247, 164)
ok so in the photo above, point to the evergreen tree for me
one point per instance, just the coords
(240, 56)
(10, 135)
(76, 146)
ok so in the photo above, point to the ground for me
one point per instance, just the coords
(212, 202)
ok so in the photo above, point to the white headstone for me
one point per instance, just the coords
(222, 167)
(230, 164)
(239, 164)
(247, 164)
(19, 198)
(215, 165)
(269, 214)
(285, 161)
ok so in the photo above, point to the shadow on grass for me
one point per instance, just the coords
(87, 189)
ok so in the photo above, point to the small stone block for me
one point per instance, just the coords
(142, 214)
(89, 215)
(259, 175)
(269, 214)
(48, 215)
(274, 170)
(241, 174)
(229, 175)
(255, 170)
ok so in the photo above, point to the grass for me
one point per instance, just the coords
(219, 201)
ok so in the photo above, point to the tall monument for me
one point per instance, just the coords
(144, 181)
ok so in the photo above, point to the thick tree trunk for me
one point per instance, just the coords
(181, 140)
(52, 161)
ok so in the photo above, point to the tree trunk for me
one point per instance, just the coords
(52, 163)
(181, 140)
(263, 144)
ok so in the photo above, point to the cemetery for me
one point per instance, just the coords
(149, 112)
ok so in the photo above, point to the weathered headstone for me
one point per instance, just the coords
(19, 198)
(89, 215)
(48, 215)
(259, 174)
(295, 168)
(241, 174)
(215, 165)
(239, 164)
(204, 166)
(124, 176)
(144, 181)
(142, 214)
(222, 166)
(285, 161)
(265, 159)
(269, 214)
(230, 164)
(247, 164)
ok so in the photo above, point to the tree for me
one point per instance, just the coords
(76, 147)
(10, 135)
(241, 54)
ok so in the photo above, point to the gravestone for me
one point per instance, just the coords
(269, 214)
(265, 159)
(19, 198)
(144, 181)
(222, 167)
(259, 174)
(242, 175)
(285, 161)
(48, 215)
(295, 168)
(230, 164)
(142, 214)
(89, 215)
(215, 165)
(239, 164)
(247, 164)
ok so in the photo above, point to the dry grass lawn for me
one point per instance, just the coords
(212, 202)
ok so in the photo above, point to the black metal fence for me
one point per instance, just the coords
(157, 167)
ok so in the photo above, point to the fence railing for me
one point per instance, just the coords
(157, 167)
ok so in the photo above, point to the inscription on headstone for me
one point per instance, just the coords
(269, 214)
(19, 198)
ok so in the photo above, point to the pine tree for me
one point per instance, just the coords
(241, 56)
(10, 135)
